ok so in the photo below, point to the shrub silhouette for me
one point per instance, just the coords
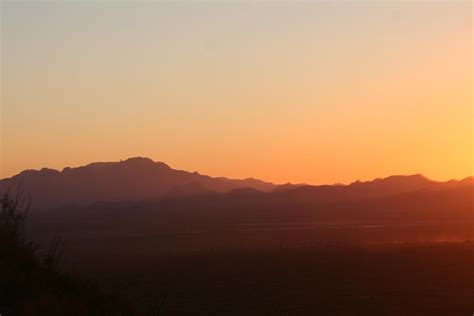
(31, 284)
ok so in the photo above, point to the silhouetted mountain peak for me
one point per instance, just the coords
(412, 177)
(468, 180)
(141, 178)
(138, 161)
(395, 180)
(392, 185)
(26, 172)
(135, 163)
(142, 162)
(418, 178)
(133, 179)
(48, 171)
(41, 172)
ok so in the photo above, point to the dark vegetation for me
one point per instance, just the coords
(30, 281)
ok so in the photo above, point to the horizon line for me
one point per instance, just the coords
(230, 178)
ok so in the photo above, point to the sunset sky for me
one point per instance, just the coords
(315, 92)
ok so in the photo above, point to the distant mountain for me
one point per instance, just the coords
(390, 186)
(247, 216)
(140, 179)
(287, 187)
(188, 190)
(139, 199)
(134, 179)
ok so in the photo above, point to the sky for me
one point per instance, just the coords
(314, 92)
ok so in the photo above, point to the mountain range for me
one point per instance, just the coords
(134, 179)
(141, 179)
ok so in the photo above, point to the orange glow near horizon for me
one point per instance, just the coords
(314, 93)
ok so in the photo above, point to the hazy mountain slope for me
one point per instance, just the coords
(130, 180)
(393, 185)
(139, 179)
(248, 214)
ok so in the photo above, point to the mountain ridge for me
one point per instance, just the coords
(132, 179)
(140, 178)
